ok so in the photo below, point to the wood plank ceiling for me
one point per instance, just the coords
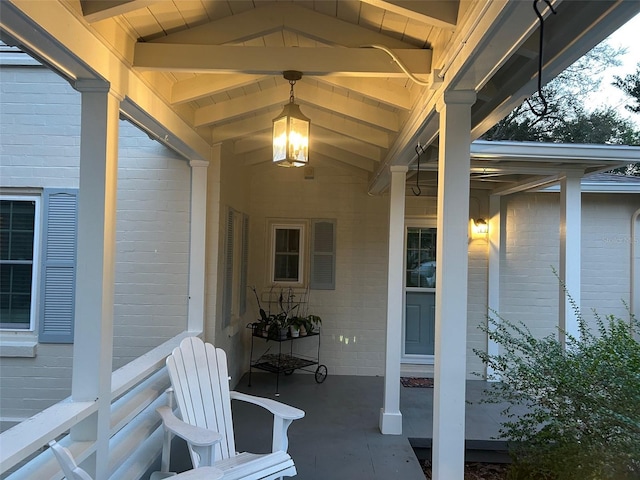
(219, 65)
(357, 98)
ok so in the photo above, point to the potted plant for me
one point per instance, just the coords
(313, 323)
(287, 321)
(297, 326)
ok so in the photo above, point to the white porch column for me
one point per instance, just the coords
(93, 338)
(496, 220)
(570, 250)
(214, 293)
(451, 285)
(197, 246)
(390, 416)
(634, 281)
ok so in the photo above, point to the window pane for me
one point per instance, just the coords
(21, 246)
(286, 268)
(15, 293)
(4, 244)
(421, 256)
(17, 219)
(294, 241)
(287, 240)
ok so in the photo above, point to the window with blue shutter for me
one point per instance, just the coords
(58, 270)
(323, 255)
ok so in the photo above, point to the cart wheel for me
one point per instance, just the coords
(288, 372)
(321, 373)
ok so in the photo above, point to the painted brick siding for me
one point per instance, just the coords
(40, 142)
(606, 253)
(152, 259)
(39, 147)
(354, 314)
(529, 289)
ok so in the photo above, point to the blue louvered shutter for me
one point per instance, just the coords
(58, 270)
(245, 264)
(227, 288)
(323, 255)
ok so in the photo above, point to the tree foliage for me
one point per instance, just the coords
(567, 119)
(631, 86)
(582, 402)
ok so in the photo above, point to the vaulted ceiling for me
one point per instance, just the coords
(373, 70)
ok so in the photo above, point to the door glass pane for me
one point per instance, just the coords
(421, 257)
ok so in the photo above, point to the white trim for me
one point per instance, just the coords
(408, 358)
(552, 152)
(600, 187)
(301, 226)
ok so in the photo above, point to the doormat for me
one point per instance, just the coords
(418, 382)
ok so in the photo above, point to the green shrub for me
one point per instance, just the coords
(582, 402)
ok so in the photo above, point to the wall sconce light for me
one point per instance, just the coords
(291, 131)
(480, 226)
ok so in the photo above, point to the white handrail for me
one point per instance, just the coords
(137, 388)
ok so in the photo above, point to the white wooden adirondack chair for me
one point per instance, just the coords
(73, 472)
(200, 380)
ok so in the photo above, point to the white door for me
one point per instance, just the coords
(420, 294)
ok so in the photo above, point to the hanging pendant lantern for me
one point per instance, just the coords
(291, 131)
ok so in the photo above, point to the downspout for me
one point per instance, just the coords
(635, 296)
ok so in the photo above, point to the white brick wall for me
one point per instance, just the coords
(39, 140)
(353, 315)
(529, 289)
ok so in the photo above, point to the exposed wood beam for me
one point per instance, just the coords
(363, 62)
(96, 10)
(237, 107)
(443, 13)
(257, 22)
(206, 85)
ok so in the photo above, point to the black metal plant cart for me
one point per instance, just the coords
(284, 361)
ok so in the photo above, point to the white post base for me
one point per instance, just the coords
(390, 423)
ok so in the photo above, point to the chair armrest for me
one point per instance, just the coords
(195, 435)
(278, 409)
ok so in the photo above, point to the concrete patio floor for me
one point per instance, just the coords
(339, 438)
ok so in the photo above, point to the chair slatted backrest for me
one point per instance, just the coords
(200, 380)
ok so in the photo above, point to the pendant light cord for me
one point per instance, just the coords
(545, 106)
(292, 83)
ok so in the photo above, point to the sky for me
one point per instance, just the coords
(626, 36)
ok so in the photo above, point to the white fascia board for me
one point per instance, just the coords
(600, 187)
(553, 152)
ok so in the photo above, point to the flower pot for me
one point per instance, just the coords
(295, 331)
(284, 332)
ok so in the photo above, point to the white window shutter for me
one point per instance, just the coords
(58, 270)
(323, 254)
(245, 264)
(227, 296)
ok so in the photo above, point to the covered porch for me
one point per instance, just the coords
(339, 438)
(483, 65)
